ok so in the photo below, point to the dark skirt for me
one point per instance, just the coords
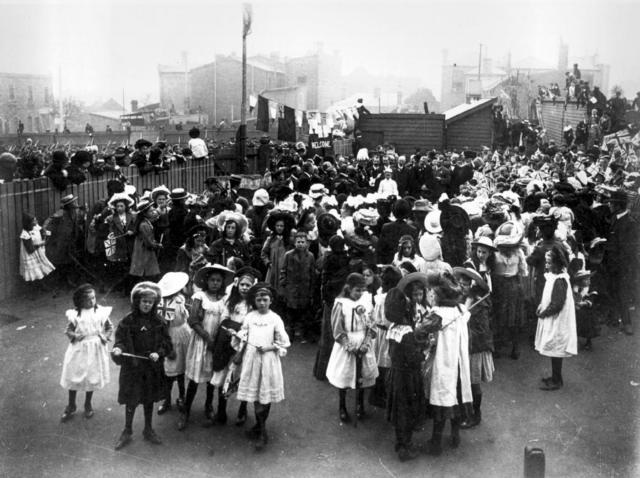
(325, 345)
(587, 323)
(508, 301)
(141, 382)
(406, 403)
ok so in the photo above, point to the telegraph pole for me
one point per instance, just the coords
(246, 30)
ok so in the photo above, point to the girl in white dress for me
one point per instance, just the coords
(175, 313)
(207, 310)
(86, 361)
(264, 340)
(352, 357)
(34, 264)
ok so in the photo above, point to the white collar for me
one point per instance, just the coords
(623, 213)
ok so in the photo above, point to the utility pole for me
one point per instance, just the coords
(246, 30)
(480, 62)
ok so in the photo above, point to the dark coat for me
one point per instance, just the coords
(141, 381)
(406, 403)
(334, 274)
(388, 244)
(621, 251)
(402, 178)
(480, 333)
(297, 278)
(124, 244)
(67, 236)
(222, 250)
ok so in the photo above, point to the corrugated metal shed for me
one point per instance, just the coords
(470, 125)
(407, 132)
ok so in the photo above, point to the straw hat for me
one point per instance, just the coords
(239, 219)
(202, 276)
(121, 197)
(432, 222)
(430, 247)
(172, 283)
(507, 235)
(177, 194)
(484, 241)
(260, 197)
(159, 190)
(413, 277)
(473, 275)
(68, 199)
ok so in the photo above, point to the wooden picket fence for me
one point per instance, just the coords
(40, 198)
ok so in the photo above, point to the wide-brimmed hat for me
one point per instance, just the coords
(545, 220)
(430, 248)
(146, 287)
(121, 197)
(413, 277)
(423, 205)
(172, 283)
(484, 241)
(239, 219)
(178, 193)
(432, 222)
(143, 205)
(260, 197)
(328, 223)
(280, 215)
(160, 190)
(582, 274)
(68, 199)
(454, 218)
(130, 189)
(366, 216)
(473, 275)
(508, 235)
(317, 190)
(202, 276)
(396, 306)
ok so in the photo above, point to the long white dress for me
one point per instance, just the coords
(199, 361)
(557, 336)
(34, 266)
(353, 319)
(86, 362)
(261, 379)
(180, 333)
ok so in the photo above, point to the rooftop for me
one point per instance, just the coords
(465, 109)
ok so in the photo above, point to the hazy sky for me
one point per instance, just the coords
(102, 47)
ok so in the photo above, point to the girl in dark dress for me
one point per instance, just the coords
(406, 402)
(143, 333)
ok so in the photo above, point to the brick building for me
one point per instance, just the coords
(27, 98)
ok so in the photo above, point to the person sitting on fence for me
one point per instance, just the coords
(141, 156)
(197, 145)
(57, 170)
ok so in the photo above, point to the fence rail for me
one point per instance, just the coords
(40, 198)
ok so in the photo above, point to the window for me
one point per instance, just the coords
(302, 80)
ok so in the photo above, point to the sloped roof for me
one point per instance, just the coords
(458, 112)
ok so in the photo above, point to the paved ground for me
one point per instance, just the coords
(588, 429)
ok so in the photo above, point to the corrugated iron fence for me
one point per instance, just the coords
(40, 198)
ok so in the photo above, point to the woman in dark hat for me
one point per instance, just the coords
(206, 315)
(232, 225)
(142, 332)
(121, 225)
(406, 402)
(280, 223)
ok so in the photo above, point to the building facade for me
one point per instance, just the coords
(26, 99)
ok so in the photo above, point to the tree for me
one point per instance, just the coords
(415, 101)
